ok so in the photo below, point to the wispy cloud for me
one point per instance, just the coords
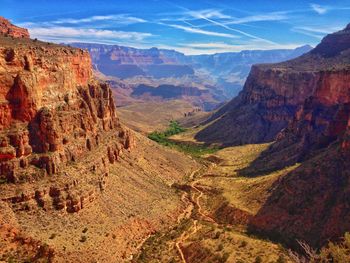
(194, 30)
(321, 30)
(209, 16)
(207, 13)
(220, 47)
(316, 31)
(319, 9)
(275, 16)
(69, 34)
(237, 30)
(93, 29)
(123, 19)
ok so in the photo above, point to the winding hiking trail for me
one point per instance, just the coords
(209, 228)
(195, 206)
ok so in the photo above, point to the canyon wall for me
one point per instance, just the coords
(52, 114)
(275, 94)
(72, 188)
(303, 107)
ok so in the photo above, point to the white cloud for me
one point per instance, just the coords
(123, 19)
(277, 16)
(62, 34)
(219, 47)
(319, 9)
(320, 29)
(202, 32)
(207, 13)
(317, 32)
(237, 31)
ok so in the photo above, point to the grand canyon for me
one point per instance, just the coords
(111, 153)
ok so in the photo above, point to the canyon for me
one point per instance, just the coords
(79, 182)
(221, 75)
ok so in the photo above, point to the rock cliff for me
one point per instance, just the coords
(52, 111)
(6, 28)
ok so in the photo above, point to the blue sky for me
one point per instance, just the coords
(192, 27)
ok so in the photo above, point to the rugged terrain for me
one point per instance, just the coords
(303, 104)
(276, 93)
(76, 185)
(213, 78)
(220, 204)
(74, 181)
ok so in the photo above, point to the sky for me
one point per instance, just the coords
(188, 26)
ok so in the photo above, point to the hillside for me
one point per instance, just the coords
(75, 184)
(302, 104)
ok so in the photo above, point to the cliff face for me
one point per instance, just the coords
(6, 28)
(274, 93)
(304, 105)
(52, 113)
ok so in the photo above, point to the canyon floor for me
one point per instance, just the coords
(218, 205)
(148, 116)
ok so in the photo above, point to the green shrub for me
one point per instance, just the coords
(175, 128)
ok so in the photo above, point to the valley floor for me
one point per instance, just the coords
(219, 204)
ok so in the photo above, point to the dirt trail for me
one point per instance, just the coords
(195, 202)
(183, 238)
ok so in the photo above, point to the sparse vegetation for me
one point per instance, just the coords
(332, 252)
(258, 259)
(190, 148)
(243, 243)
(83, 239)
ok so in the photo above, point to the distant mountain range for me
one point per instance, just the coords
(224, 71)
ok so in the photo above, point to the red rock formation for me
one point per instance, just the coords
(54, 116)
(6, 28)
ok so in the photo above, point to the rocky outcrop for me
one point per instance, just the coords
(55, 120)
(7, 29)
